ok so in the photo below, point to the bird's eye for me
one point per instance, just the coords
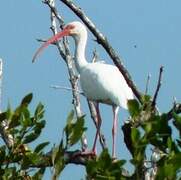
(70, 27)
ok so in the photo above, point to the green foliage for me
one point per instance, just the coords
(16, 161)
(177, 123)
(58, 160)
(134, 108)
(148, 129)
(104, 167)
(154, 130)
(73, 129)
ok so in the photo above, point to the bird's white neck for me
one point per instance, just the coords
(80, 44)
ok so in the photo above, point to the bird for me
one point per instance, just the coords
(100, 82)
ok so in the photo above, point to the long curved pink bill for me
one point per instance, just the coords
(49, 41)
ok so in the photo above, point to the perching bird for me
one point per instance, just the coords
(101, 83)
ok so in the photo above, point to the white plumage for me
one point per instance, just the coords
(104, 83)
(101, 83)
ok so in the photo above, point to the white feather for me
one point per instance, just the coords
(104, 83)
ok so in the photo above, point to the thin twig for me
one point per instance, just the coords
(158, 87)
(66, 88)
(51, 5)
(147, 83)
(6, 136)
(176, 109)
(1, 77)
(95, 56)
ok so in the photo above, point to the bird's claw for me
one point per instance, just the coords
(91, 153)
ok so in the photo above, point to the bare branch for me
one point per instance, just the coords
(127, 136)
(6, 136)
(176, 109)
(95, 56)
(158, 87)
(51, 4)
(104, 42)
(1, 77)
(71, 157)
(67, 88)
(66, 55)
(147, 83)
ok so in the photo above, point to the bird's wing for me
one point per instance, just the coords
(105, 82)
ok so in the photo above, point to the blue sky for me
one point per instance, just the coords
(153, 26)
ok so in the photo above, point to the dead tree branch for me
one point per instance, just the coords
(147, 83)
(126, 128)
(66, 88)
(158, 87)
(66, 55)
(71, 157)
(176, 109)
(6, 136)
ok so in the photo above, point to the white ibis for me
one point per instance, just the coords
(101, 83)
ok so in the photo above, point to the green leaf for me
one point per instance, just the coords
(15, 121)
(2, 116)
(135, 135)
(104, 160)
(30, 137)
(10, 173)
(76, 131)
(70, 117)
(39, 112)
(168, 166)
(177, 122)
(176, 160)
(41, 146)
(146, 98)
(73, 130)
(134, 108)
(30, 159)
(2, 153)
(104, 167)
(20, 116)
(40, 125)
(178, 142)
(2, 171)
(58, 160)
(27, 99)
(9, 113)
(39, 174)
(26, 122)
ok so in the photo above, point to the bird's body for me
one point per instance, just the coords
(104, 83)
(101, 83)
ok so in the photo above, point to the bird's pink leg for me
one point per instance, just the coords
(99, 122)
(114, 130)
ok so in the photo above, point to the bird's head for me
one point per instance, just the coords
(74, 29)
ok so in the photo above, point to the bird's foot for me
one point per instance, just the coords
(91, 153)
